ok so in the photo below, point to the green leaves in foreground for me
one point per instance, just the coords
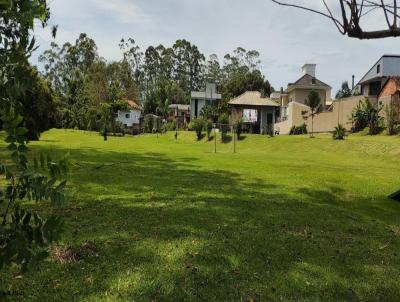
(23, 239)
(24, 234)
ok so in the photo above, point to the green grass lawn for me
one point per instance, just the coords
(283, 219)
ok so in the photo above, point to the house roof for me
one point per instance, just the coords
(306, 81)
(134, 105)
(180, 107)
(252, 98)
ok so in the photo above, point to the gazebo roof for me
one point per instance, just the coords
(252, 98)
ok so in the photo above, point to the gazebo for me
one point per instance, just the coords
(258, 113)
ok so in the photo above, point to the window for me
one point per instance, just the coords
(313, 81)
(127, 115)
(378, 68)
(183, 113)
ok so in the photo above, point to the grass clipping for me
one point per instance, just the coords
(67, 254)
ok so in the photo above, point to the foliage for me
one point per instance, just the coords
(37, 105)
(344, 91)
(223, 120)
(368, 114)
(313, 101)
(208, 125)
(158, 76)
(239, 127)
(198, 125)
(392, 119)
(209, 112)
(359, 118)
(24, 233)
(339, 132)
(299, 130)
(148, 124)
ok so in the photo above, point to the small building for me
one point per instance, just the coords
(199, 99)
(371, 83)
(180, 113)
(130, 118)
(258, 113)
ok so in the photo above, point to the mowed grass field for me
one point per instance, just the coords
(283, 219)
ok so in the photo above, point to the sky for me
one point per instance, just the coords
(286, 38)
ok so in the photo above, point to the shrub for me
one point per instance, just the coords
(367, 114)
(224, 122)
(359, 118)
(148, 125)
(269, 130)
(238, 127)
(298, 130)
(198, 125)
(339, 132)
(171, 126)
(392, 124)
(208, 126)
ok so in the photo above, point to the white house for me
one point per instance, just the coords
(199, 99)
(131, 117)
(372, 82)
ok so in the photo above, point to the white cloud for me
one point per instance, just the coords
(125, 11)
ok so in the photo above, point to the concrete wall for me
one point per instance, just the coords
(324, 121)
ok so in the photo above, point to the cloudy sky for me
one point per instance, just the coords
(286, 38)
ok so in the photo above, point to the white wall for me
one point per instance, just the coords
(133, 119)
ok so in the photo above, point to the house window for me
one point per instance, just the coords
(313, 81)
(183, 113)
(127, 115)
(378, 68)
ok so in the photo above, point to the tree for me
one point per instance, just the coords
(37, 105)
(313, 101)
(351, 15)
(23, 233)
(344, 91)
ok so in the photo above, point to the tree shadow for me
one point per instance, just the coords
(167, 230)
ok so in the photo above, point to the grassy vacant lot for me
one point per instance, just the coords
(284, 219)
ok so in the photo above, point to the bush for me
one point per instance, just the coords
(171, 126)
(238, 127)
(359, 118)
(339, 133)
(208, 128)
(224, 122)
(298, 130)
(148, 125)
(198, 125)
(392, 123)
(367, 114)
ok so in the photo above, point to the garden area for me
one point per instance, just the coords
(159, 218)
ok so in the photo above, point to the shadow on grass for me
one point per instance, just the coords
(167, 230)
